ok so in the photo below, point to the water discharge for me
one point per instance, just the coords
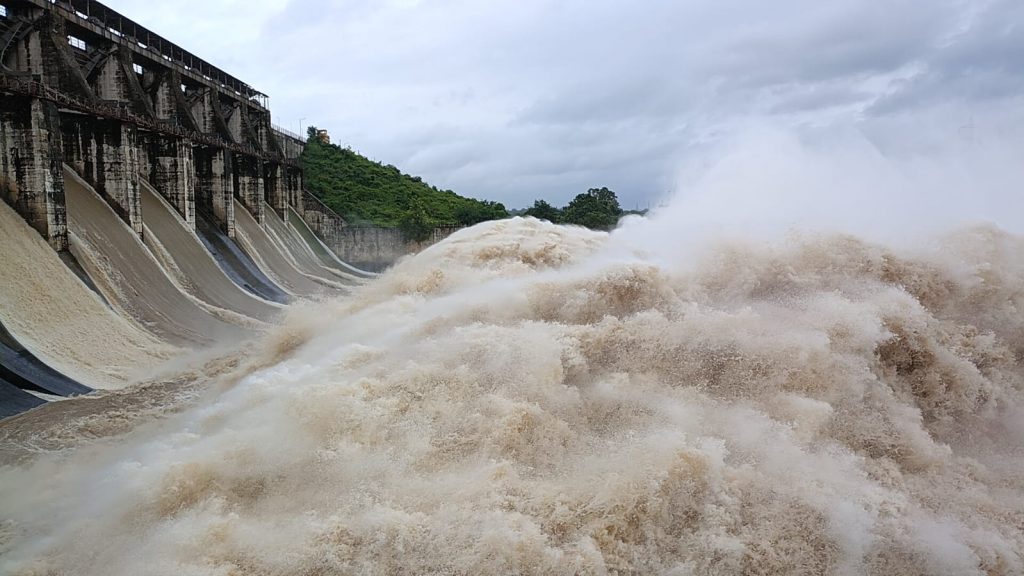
(132, 280)
(238, 265)
(198, 273)
(66, 325)
(708, 391)
(527, 398)
(291, 245)
(269, 257)
(326, 256)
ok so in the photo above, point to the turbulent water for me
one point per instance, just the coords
(527, 398)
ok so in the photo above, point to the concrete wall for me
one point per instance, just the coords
(169, 101)
(373, 248)
(368, 247)
(56, 62)
(291, 147)
(115, 81)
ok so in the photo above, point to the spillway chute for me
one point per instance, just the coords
(297, 253)
(234, 261)
(183, 255)
(14, 400)
(255, 240)
(22, 367)
(130, 277)
(63, 323)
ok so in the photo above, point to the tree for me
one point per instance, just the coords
(415, 225)
(597, 209)
(472, 212)
(544, 211)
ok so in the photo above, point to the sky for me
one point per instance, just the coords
(525, 99)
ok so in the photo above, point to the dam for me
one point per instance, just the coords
(151, 195)
(195, 380)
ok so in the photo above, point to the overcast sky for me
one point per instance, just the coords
(526, 99)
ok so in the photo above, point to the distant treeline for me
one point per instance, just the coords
(364, 191)
(597, 208)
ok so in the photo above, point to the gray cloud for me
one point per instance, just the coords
(979, 64)
(543, 98)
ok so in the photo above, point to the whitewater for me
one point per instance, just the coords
(526, 398)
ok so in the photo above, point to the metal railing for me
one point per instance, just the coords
(286, 132)
(32, 86)
(308, 197)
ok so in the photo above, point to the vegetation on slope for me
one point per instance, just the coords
(364, 191)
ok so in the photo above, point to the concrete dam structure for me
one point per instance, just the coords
(85, 86)
(150, 205)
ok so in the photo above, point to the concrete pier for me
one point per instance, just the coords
(248, 183)
(291, 146)
(31, 178)
(55, 61)
(169, 100)
(274, 186)
(215, 188)
(206, 110)
(172, 172)
(117, 81)
(293, 188)
(106, 154)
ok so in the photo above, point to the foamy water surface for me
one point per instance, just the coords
(528, 398)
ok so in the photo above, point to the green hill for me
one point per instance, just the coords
(363, 191)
